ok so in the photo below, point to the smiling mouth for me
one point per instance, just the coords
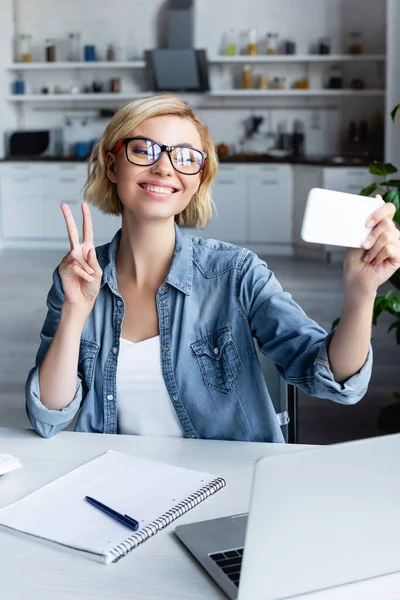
(157, 189)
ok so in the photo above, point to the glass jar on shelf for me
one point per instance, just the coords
(231, 43)
(355, 45)
(272, 43)
(25, 47)
(335, 78)
(324, 45)
(74, 47)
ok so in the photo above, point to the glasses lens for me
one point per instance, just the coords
(143, 152)
(187, 160)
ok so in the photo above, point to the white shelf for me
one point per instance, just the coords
(291, 58)
(218, 59)
(213, 94)
(295, 92)
(54, 66)
(75, 97)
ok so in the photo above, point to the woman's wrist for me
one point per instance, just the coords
(73, 315)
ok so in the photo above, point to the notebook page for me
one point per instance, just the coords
(141, 488)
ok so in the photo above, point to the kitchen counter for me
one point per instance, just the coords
(319, 161)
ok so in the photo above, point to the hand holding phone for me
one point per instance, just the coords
(337, 218)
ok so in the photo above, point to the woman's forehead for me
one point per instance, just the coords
(170, 130)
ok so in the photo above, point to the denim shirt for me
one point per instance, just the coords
(216, 298)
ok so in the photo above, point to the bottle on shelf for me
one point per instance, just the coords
(247, 77)
(283, 141)
(50, 50)
(252, 44)
(110, 52)
(74, 47)
(25, 47)
(298, 138)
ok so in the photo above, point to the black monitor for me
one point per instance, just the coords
(177, 70)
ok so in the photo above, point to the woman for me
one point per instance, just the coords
(154, 333)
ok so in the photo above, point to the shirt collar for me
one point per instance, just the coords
(180, 274)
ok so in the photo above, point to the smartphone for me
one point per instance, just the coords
(337, 218)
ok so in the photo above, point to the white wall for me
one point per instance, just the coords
(392, 146)
(133, 24)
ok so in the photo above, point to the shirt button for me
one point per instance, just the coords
(216, 351)
(110, 397)
(119, 303)
(115, 350)
(193, 436)
(175, 397)
(164, 348)
(162, 301)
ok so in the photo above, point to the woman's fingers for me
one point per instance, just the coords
(93, 262)
(81, 273)
(75, 256)
(87, 225)
(71, 226)
(387, 210)
(388, 252)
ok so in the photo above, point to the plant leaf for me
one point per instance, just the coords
(393, 304)
(392, 183)
(394, 112)
(394, 197)
(397, 396)
(367, 191)
(381, 168)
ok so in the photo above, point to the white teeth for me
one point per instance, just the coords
(157, 189)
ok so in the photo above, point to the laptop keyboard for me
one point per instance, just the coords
(230, 562)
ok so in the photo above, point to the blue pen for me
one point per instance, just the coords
(123, 519)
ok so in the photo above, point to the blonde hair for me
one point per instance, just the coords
(101, 192)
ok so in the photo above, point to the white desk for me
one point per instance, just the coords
(160, 568)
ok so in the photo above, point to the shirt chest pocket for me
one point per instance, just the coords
(218, 360)
(87, 356)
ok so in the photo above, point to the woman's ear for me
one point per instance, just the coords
(110, 167)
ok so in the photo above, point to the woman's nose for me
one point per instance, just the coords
(163, 165)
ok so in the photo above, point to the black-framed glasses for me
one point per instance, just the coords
(145, 152)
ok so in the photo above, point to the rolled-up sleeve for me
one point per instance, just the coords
(293, 341)
(49, 422)
(347, 392)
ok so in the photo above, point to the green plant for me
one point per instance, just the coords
(389, 189)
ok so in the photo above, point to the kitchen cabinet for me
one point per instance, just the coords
(31, 194)
(270, 192)
(254, 207)
(229, 192)
(259, 206)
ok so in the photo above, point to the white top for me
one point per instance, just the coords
(144, 406)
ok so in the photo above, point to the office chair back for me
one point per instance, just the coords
(283, 396)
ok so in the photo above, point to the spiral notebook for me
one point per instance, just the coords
(154, 493)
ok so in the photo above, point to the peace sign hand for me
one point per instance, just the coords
(79, 270)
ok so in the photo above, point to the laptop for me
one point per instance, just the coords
(318, 518)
